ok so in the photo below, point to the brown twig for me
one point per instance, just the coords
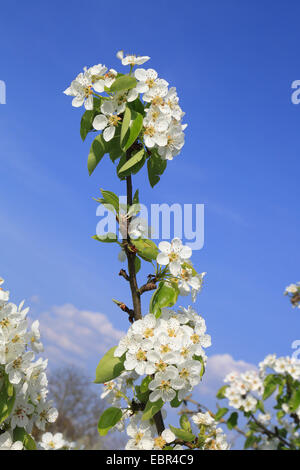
(124, 274)
(147, 287)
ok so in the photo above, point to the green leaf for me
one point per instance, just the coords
(125, 82)
(97, 151)
(133, 164)
(19, 434)
(232, 420)
(137, 264)
(145, 384)
(294, 402)
(270, 385)
(250, 441)
(156, 166)
(109, 419)
(7, 399)
(131, 127)
(146, 249)
(137, 106)
(165, 296)
(151, 409)
(220, 393)
(142, 396)
(260, 406)
(136, 197)
(111, 198)
(175, 403)
(107, 238)
(220, 413)
(109, 367)
(113, 145)
(86, 124)
(182, 434)
(185, 423)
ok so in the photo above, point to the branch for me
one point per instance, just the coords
(124, 274)
(125, 309)
(270, 433)
(148, 286)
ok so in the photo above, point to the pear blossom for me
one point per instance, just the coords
(131, 59)
(173, 254)
(138, 228)
(166, 437)
(52, 441)
(81, 89)
(174, 144)
(107, 121)
(140, 433)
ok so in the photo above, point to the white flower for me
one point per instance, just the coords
(156, 94)
(249, 403)
(146, 79)
(264, 418)
(21, 413)
(6, 442)
(171, 100)
(292, 289)
(34, 337)
(187, 280)
(155, 131)
(203, 419)
(164, 385)
(173, 254)
(45, 414)
(175, 142)
(166, 437)
(131, 59)
(52, 441)
(138, 228)
(95, 75)
(107, 121)
(81, 89)
(140, 433)
(18, 367)
(136, 358)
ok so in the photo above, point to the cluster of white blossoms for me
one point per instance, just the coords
(293, 291)
(246, 389)
(215, 438)
(163, 128)
(176, 257)
(166, 348)
(21, 373)
(143, 435)
(162, 124)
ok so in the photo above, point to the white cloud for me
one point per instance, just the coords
(73, 336)
(218, 366)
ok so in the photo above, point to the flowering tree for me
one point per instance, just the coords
(265, 400)
(162, 356)
(23, 382)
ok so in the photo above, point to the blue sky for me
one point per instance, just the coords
(233, 64)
